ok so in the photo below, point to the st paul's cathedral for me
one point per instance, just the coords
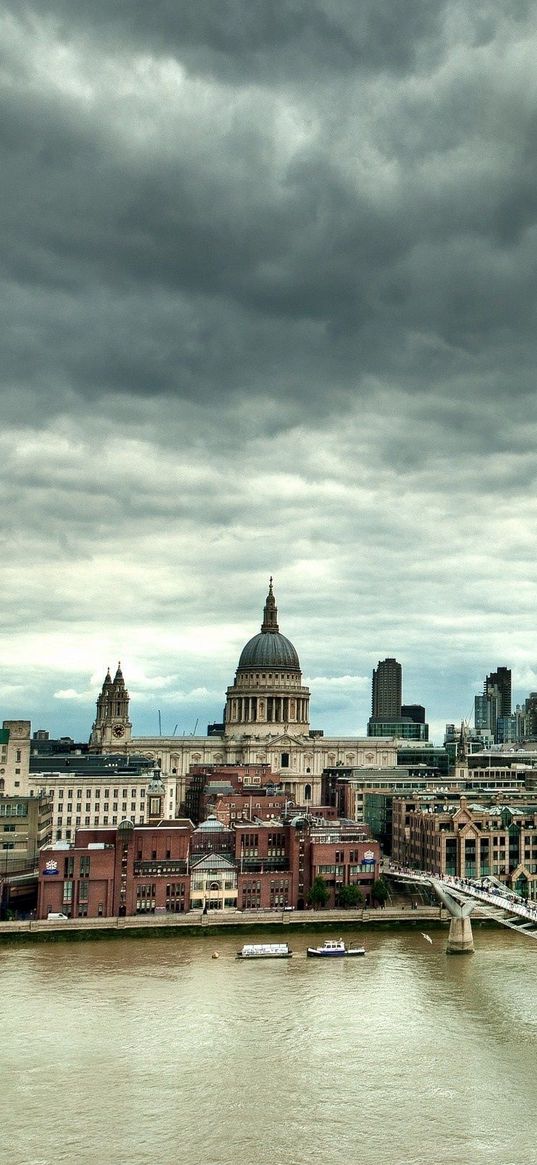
(266, 722)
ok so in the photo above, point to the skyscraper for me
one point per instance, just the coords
(495, 703)
(387, 690)
(498, 683)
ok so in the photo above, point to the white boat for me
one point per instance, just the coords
(265, 951)
(334, 948)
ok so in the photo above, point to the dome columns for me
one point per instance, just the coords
(266, 710)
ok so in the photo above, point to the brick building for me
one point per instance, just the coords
(170, 866)
(132, 869)
(447, 834)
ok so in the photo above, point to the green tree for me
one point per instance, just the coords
(350, 896)
(318, 895)
(379, 891)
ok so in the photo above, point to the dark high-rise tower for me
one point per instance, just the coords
(387, 690)
(498, 684)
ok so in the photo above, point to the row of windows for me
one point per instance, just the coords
(81, 793)
(96, 808)
(96, 821)
(69, 866)
(360, 868)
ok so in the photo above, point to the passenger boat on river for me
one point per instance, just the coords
(265, 951)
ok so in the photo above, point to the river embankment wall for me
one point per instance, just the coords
(198, 925)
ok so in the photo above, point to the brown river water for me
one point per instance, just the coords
(151, 1051)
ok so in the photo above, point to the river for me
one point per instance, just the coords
(151, 1051)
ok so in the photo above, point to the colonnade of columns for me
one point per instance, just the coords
(269, 710)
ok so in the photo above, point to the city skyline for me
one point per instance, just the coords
(269, 299)
(156, 720)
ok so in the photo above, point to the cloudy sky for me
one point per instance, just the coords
(268, 300)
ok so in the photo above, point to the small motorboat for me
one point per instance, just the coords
(334, 948)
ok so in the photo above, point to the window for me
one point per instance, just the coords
(68, 891)
(84, 866)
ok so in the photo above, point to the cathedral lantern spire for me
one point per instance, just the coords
(270, 613)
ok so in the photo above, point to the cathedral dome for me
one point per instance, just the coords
(269, 649)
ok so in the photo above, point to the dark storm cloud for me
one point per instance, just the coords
(191, 250)
(251, 39)
(268, 304)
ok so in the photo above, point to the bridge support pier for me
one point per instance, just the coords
(460, 937)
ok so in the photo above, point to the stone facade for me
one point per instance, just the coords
(15, 757)
(447, 834)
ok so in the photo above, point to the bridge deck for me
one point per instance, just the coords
(504, 907)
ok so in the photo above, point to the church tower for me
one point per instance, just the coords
(112, 727)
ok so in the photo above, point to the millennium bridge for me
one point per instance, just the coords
(460, 896)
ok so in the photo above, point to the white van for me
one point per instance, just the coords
(57, 917)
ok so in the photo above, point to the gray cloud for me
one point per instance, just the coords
(268, 305)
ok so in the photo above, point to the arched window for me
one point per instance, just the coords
(307, 792)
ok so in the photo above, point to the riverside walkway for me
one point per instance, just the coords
(194, 922)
